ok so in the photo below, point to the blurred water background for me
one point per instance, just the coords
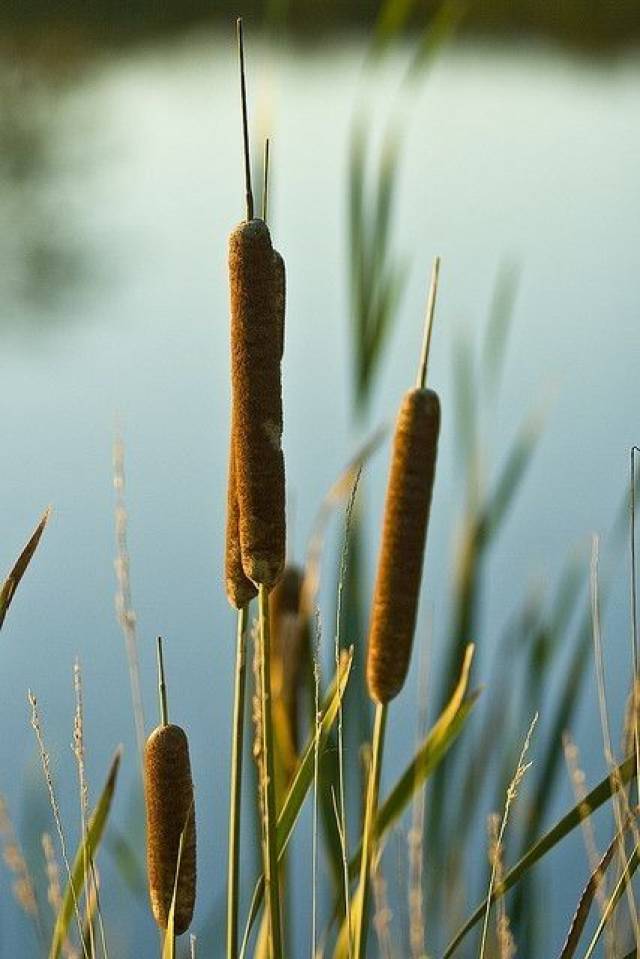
(120, 179)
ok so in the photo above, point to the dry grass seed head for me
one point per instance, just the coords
(256, 341)
(404, 532)
(170, 811)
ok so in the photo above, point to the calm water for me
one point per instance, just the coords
(118, 203)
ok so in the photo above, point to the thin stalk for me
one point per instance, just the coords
(162, 687)
(367, 838)
(270, 852)
(235, 803)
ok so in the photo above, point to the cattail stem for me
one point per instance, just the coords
(265, 181)
(245, 123)
(270, 852)
(162, 687)
(236, 784)
(371, 809)
(428, 328)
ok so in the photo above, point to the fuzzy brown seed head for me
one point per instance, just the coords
(170, 810)
(290, 642)
(404, 532)
(240, 590)
(256, 343)
(280, 281)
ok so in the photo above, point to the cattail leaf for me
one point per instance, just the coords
(169, 946)
(86, 853)
(629, 868)
(618, 778)
(301, 783)
(438, 31)
(586, 899)
(498, 327)
(444, 732)
(435, 745)
(12, 581)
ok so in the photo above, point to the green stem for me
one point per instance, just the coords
(270, 853)
(236, 784)
(368, 836)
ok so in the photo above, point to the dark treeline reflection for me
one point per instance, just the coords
(583, 23)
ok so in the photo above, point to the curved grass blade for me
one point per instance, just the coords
(435, 745)
(618, 778)
(169, 947)
(630, 867)
(301, 784)
(86, 853)
(586, 900)
(433, 748)
(12, 581)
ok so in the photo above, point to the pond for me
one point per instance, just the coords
(120, 187)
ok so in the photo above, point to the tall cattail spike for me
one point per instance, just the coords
(256, 353)
(404, 532)
(245, 122)
(428, 327)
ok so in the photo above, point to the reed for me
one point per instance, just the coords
(170, 816)
(399, 575)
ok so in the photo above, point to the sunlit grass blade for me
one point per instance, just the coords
(629, 868)
(439, 739)
(586, 901)
(619, 777)
(12, 581)
(169, 946)
(86, 852)
(440, 28)
(301, 784)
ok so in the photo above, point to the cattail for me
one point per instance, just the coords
(240, 590)
(290, 637)
(170, 817)
(404, 528)
(170, 811)
(406, 516)
(256, 343)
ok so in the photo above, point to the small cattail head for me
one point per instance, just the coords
(256, 345)
(404, 531)
(240, 590)
(170, 811)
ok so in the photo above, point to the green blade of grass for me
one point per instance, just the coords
(435, 745)
(630, 867)
(12, 581)
(586, 899)
(619, 777)
(442, 735)
(301, 784)
(86, 853)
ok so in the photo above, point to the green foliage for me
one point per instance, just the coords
(85, 854)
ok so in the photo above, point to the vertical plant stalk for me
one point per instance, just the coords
(235, 805)
(373, 788)
(123, 601)
(270, 852)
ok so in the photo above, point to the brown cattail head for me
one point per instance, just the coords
(404, 532)
(290, 637)
(280, 282)
(240, 590)
(170, 810)
(256, 342)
